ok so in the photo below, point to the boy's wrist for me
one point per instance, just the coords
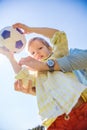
(10, 56)
(56, 66)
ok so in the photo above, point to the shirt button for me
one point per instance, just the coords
(66, 117)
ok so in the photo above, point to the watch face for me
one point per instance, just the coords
(50, 63)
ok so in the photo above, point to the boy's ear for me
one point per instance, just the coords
(50, 48)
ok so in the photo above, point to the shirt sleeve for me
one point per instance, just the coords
(60, 44)
(76, 60)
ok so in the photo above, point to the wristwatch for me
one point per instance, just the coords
(51, 64)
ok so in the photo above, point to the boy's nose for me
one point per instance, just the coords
(37, 54)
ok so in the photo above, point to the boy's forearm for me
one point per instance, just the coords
(16, 67)
(48, 32)
(41, 66)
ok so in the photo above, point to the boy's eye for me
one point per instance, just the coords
(32, 53)
(40, 48)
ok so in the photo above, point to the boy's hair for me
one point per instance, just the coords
(47, 44)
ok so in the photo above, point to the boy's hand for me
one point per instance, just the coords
(24, 28)
(18, 86)
(5, 51)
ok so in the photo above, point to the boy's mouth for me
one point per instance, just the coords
(40, 57)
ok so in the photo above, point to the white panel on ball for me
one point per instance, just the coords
(13, 39)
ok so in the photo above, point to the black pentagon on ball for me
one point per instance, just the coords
(5, 34)
(19, 44)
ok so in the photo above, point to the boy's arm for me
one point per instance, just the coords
(76, 60)
(10, 56)
(48, 32)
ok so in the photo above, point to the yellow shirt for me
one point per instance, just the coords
(56, 92)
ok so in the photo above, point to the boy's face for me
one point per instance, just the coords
(38, 50)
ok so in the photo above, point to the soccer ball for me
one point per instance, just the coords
(13, 39)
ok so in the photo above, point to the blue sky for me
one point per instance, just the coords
(19, 111)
